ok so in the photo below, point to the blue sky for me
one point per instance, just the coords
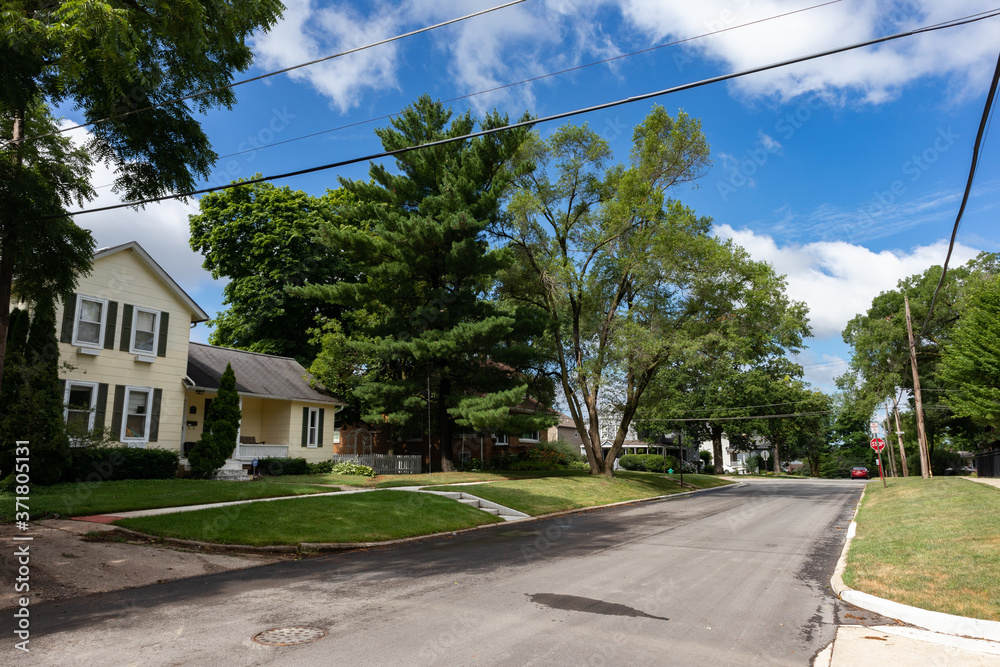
(845, 173)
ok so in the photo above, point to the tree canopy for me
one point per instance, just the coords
(420, 306)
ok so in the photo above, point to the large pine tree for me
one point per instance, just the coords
(422, 306)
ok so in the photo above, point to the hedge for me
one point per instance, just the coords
(99, 464)
(279, 465)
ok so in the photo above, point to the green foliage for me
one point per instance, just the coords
(419, 304)
(221, 425)
(35, 409)
(880, 361)
(351, 468)
(649, 462)
(276, 466)
(100, 464)
(107, 60)
(971, 361)
(265, 239)
(568, 451)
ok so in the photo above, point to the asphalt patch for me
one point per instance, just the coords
(589, 605)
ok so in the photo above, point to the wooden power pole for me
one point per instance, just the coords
(899, 434)
(925, 467)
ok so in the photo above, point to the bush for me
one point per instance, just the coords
(275, 466)
(709, 469)
(321, 468)
(351, 468)
(99, 464)
(569, 452)
(648, 462)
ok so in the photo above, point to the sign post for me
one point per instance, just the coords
(765, 455)
(878, 444)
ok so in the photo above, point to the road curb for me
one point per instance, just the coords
(936, 621)
(326, 547)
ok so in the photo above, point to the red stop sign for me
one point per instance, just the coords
(878, 444)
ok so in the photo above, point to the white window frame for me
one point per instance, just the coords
(534, 437)
(70, 384)
(312, 428)
(129, 390)
(102, 325)
(156, 331)
(501, 439)
(336, 436)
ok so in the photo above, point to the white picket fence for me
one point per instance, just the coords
(384, 464)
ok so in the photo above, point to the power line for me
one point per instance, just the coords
(209, 91)
(702, 419)
(742, 407)
(968, 188)
(539, 77)
(546, 119)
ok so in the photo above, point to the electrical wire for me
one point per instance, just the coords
(539, 77)
(702, 419)
(266, 75)
(559, 116)
(987, 113)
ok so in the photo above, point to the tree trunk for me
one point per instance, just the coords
(444, 421)
(717, 449)
(7, 244)
(777, 459)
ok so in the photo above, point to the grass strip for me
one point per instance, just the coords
(556, 494)
(932, 544)
(360, 517)
(86, 498)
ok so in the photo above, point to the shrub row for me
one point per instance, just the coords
(99, 464)
(648, 462)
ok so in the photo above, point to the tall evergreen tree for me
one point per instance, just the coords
(425, 277)
(36, 413)
(221, 424)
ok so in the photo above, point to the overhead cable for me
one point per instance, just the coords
(968, 188)
(546, 119)
(202, 93)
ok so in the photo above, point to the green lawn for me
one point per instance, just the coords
(553, 494)
(87, 498)
(389, 481)
(361, 517)
(933, 544)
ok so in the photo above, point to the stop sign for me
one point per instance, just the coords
(878, 444)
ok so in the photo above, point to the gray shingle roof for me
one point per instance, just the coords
(256, 374)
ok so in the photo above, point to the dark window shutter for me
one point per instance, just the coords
(69, 313)
(161, 343)
(102, 405)
(154, 416)
(116, 412)
(319, 431)
(305, 427)
(126, 341)
(109, 325)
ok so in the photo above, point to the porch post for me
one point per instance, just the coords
(239, 429)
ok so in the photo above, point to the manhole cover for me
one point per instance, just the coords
(289, 636)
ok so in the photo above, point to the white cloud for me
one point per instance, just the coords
(537, 38)
(161, 229)
(838, 280)
(874, 74)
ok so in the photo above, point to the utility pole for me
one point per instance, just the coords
(925, 468)
(899, 434)
(892, 457)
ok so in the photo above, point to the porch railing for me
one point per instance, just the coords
(251, 452)
(385, 464)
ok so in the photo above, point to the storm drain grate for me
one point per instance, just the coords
(289, 636)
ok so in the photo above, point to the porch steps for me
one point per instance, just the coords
(233, 471)
(505, 513)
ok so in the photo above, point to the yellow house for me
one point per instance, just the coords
(128, 364)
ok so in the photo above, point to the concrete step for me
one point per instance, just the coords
(491, 510)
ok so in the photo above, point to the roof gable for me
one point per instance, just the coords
(198, 315)
(263, 375)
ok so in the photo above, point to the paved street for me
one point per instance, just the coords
(737, 576)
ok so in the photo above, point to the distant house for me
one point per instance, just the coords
(129, 366)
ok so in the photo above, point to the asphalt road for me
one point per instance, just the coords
(737, 576)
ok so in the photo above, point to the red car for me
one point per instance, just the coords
(858, 472)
